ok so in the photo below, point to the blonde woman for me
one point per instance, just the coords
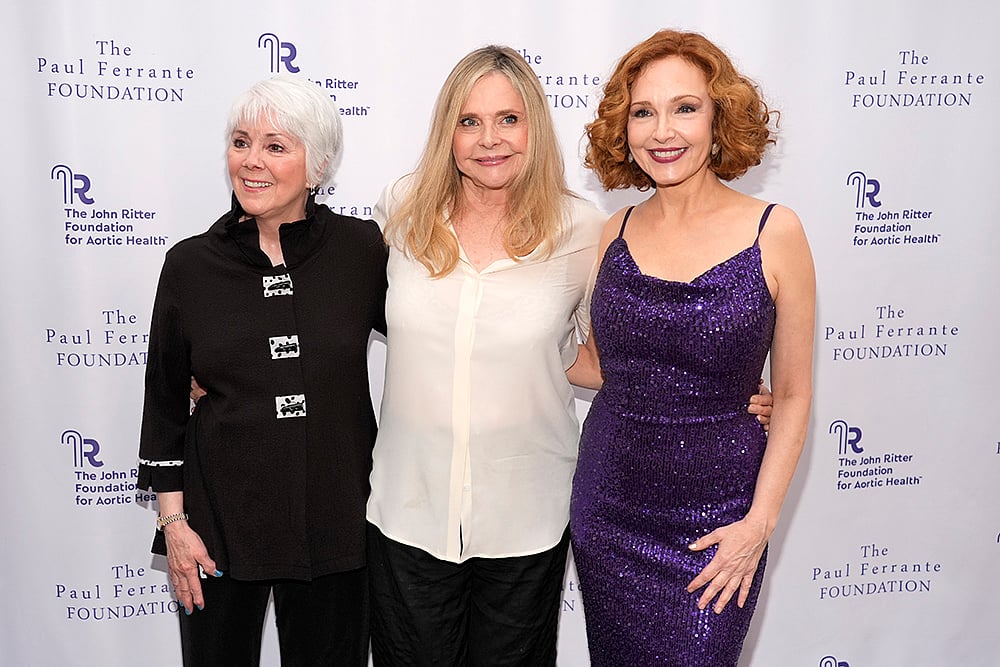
(489, 259)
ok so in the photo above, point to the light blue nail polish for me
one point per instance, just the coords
(201, 607)
(218, 573)
(187, 612)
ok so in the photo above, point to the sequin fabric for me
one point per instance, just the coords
(668, 453)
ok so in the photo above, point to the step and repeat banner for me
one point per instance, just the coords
(113, 123)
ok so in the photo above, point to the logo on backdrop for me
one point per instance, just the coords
(93, 484)
(831, 661)
(858, 471)
(116, 340)
(87, 224)
(876, 569)
(113, 71)
(849, 436)
(892, 332)
(875, 227)
(867, 189)
(75, 186)
(85, 450)
(912, 79)
(125, 592)
(563, 90)
(342, 89)
(282, 54)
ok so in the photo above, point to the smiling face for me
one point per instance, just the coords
(670, 121)
(491, 138)
(267, 168)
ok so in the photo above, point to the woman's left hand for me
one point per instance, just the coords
(731, 570)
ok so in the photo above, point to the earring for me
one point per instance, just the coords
(628, 157)
(715, 149)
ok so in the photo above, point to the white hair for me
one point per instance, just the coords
(303, 110)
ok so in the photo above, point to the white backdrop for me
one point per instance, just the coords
(113, 117)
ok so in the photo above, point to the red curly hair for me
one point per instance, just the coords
(742, 125)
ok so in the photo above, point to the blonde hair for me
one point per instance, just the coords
(742, 119)
(535, 201)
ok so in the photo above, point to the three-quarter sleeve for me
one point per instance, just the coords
(166, 405)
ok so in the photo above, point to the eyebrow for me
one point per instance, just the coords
(502, 112)
(674, 99)
(269, 135)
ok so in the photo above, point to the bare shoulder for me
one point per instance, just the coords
(612, 228)
(614, 223)
(785, 251)
(742, 214)
(783, 227)
(782, 220)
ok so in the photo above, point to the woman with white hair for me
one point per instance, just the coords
(263, 486)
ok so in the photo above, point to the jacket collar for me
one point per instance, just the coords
(299, 239)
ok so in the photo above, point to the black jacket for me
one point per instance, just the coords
(274, 462)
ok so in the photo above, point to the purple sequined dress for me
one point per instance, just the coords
(668, 454)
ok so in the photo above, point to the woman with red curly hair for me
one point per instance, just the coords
(677, 490)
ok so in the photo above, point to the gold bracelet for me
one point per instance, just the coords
(162, 521)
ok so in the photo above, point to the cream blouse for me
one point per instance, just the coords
(478, 432)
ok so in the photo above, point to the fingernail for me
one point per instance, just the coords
(201, 607)
(187, 612)
(218, 573)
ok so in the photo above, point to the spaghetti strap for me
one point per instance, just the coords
(760, 228)
(625, 219)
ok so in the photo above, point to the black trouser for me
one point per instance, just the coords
(320, 622)
(484, 612)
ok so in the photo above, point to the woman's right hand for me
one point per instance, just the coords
(196, 390)
(185, 552)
